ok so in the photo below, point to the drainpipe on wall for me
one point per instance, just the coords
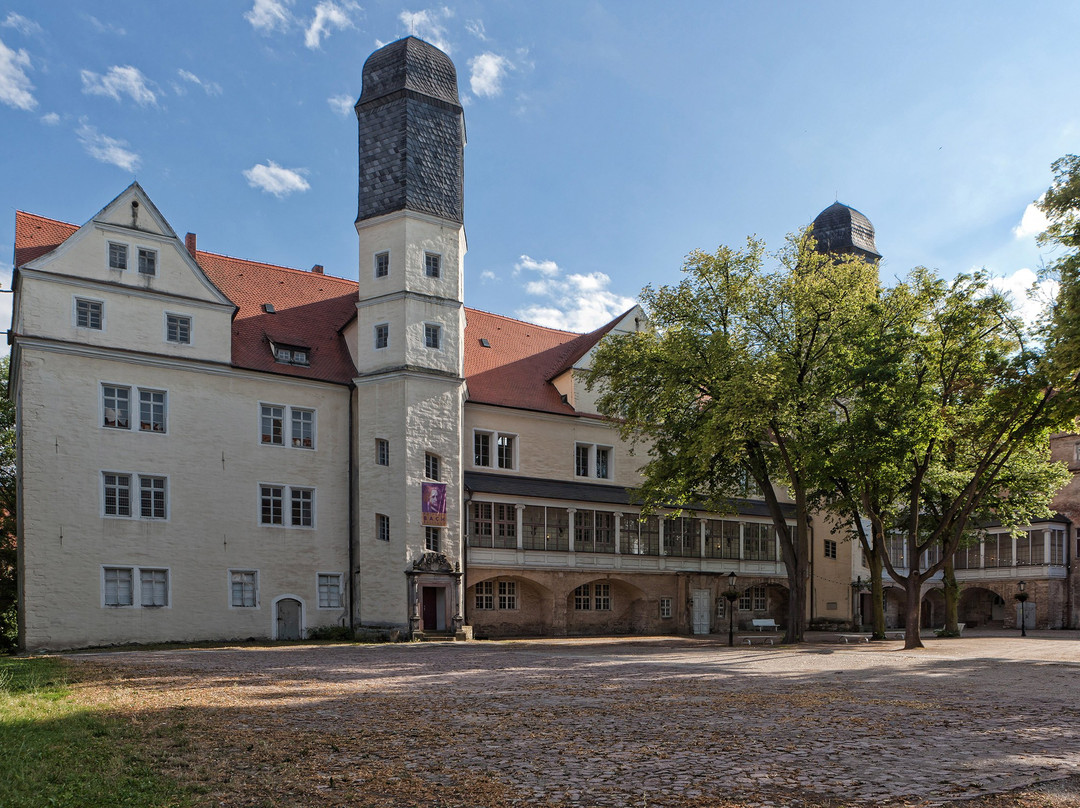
(352, 510)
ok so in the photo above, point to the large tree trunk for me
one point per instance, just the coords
(952, 600)
(913, 611)
(877, 596)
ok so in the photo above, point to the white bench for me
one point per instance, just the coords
(765, 623)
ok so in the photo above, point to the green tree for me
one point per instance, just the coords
(734, 379)
(8, 566)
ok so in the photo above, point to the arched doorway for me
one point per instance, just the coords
(981, 607)
(288, 619)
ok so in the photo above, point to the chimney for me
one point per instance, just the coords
(189, 242)
(317, 269)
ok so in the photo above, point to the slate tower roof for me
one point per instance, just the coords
(412, 133)
(842, 229)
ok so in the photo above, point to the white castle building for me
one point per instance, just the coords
(216, 448)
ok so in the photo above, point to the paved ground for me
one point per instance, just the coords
(614, 722)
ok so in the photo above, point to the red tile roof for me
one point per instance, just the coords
(312, 308)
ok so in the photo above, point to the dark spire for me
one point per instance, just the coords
(842, 229)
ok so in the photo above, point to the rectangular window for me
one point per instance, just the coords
(152, 500)
(507, 594)
(303, 502)
(382, 527)
(88, 313)
(152, 410)
(485, 595)
(382, 452)
(753, 598)
(583, 598)
(303, 428)
(116, 405)
(602, 597)
(117, 255)
(244, 589)
(382, 336)
(830, 548)
(665, 608)
(153, 587)
(147, 262)
(382, 264)
(118, 586)
(482, 449)
(581, 460)
(272, 504)
(432, 265)
(505, 451)
(603, 466)
(592, 461)
(329, 590)
(431, 466)
(178, 329)
(273, 425)
(431, 539)
(117, 494)
(432, 336)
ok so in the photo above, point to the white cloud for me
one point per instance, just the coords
(476, 28)
(487, 72)
(428, 25)
(341, 104)
(270, 15)
(329, 15)
(209, 87)
(1030, 298)
(1032, 223)
(273, 179)
(106, 149)
(21, 24)
(50, 119)
(487, 275)
(126, 80)
(573, 302)
(15, 86)
(106, 28)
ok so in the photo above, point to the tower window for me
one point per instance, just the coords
(382, 336)
(382, 264)
(382, 452)
(431, 466)
(432, 265)
(432, 336)
(382, 527)
(431, 539)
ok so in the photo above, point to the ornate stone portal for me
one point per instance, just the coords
(434, 581)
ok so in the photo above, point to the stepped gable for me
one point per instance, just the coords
(516, 371)
(840, 228)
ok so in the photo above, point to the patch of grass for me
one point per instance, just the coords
(55, 751)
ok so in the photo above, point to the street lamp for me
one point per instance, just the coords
(1022, 596)
(731, 595)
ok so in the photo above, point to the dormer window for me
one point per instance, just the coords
(147, 262)
(292, 354)
(117, 256)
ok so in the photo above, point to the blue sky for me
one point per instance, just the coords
(606, 139)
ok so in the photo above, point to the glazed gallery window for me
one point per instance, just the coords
(504, 446)
(494, 524)
(329, 590)
(244, 589)
(594, 531)
(178, 329)
(89, 313)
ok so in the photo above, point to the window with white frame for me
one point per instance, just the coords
(508, 595)
(591, 460)
(432, 265)
(431, 466)
(302, 507)
(273, 499)
(432, 336)
(382, 452)
(484, 598)
(271, 504)
(272, 419)
(504, 455)
(152, 410)
(116, 406)
(147, 261)
(117, 494)
(382, 527)
(583, 598)
(153, 587)
(330, 590)
(118, 255)
(382, 264)
(118, 586)
(830, 548)
(602, 597)
(494, 524)
(303, 428)
(89, 313)
(665, 608)
(753, 598)
(382, 336)
(152, 497)
(243, 589)
(178, 329)
(431, 539)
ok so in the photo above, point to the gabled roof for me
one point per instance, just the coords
(310, 309)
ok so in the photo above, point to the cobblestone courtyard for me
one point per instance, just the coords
(610, 722)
